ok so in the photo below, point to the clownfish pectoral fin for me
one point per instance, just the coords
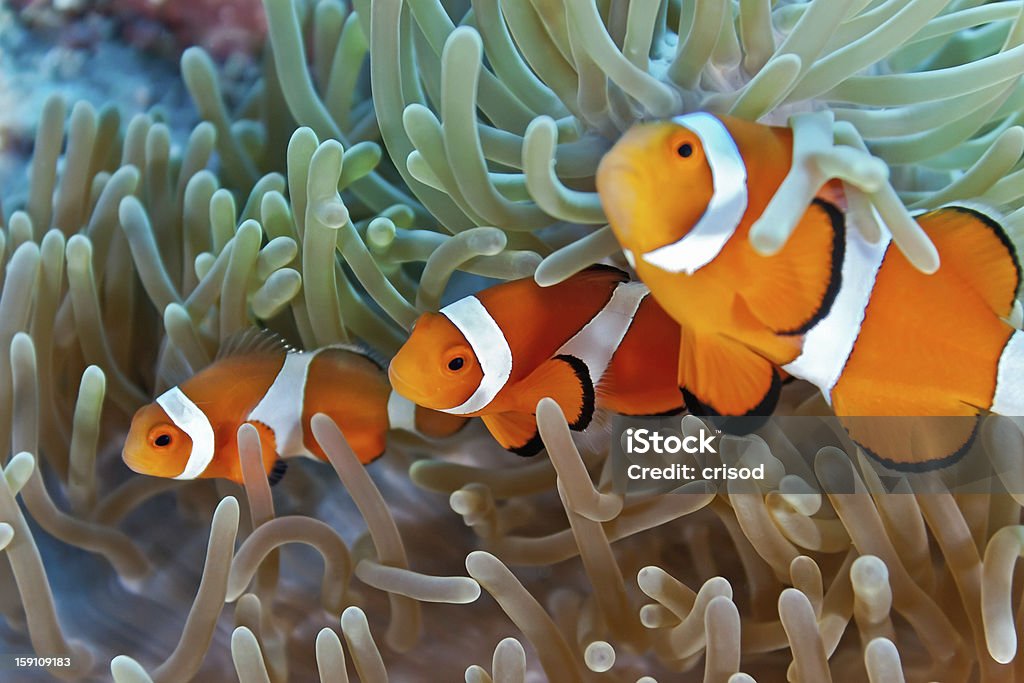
(565, 379)
(252, 340)
(277, 472)
(792, 290)
(727, 378)
(437, 425)
(913, 444)
(516, 432)
(405, 415)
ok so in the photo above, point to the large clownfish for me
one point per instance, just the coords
(856, 319)
(189, 431)
(595, 340)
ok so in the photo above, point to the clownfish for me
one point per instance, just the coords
(595, 340)
(875, 335)
(189, 431)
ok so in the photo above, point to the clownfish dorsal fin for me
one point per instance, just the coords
(792, 290)
(516, 432)
(362, 352)
(974, 244)
(565, 379)
(253, 340)
(725, 377)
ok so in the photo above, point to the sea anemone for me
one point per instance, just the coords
(389, 153)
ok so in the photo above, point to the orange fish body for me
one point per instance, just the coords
(856, 319)
(190, 431)
(595, 340)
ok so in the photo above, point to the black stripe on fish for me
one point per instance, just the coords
(586, 386)
(277, 472)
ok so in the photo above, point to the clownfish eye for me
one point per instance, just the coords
(161, 437)
(456, 363)
(684, 150)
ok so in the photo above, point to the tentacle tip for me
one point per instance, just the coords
(546, 275)
(352, 617)
(472, 592)
(125, 668)
(765, 241)
(465, 35)
(228, 505)
(192, 55)
(927, 262)
(135, 585)
(326, 634)
(478, 562)
(542, 124)
(332, 213)
(1005, 651)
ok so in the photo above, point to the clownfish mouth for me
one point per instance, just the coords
(140, 463)
(129, 461)
(414, 393)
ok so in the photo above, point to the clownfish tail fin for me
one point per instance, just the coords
(277, 472)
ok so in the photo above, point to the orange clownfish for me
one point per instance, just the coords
(856, 319)
(595, 340)
(189, 431)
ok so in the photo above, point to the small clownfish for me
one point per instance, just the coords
(595, 340)
(189, 431)
(856, 319)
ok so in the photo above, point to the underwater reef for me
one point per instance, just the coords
(391, 155)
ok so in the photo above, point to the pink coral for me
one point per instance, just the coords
(220, 26)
